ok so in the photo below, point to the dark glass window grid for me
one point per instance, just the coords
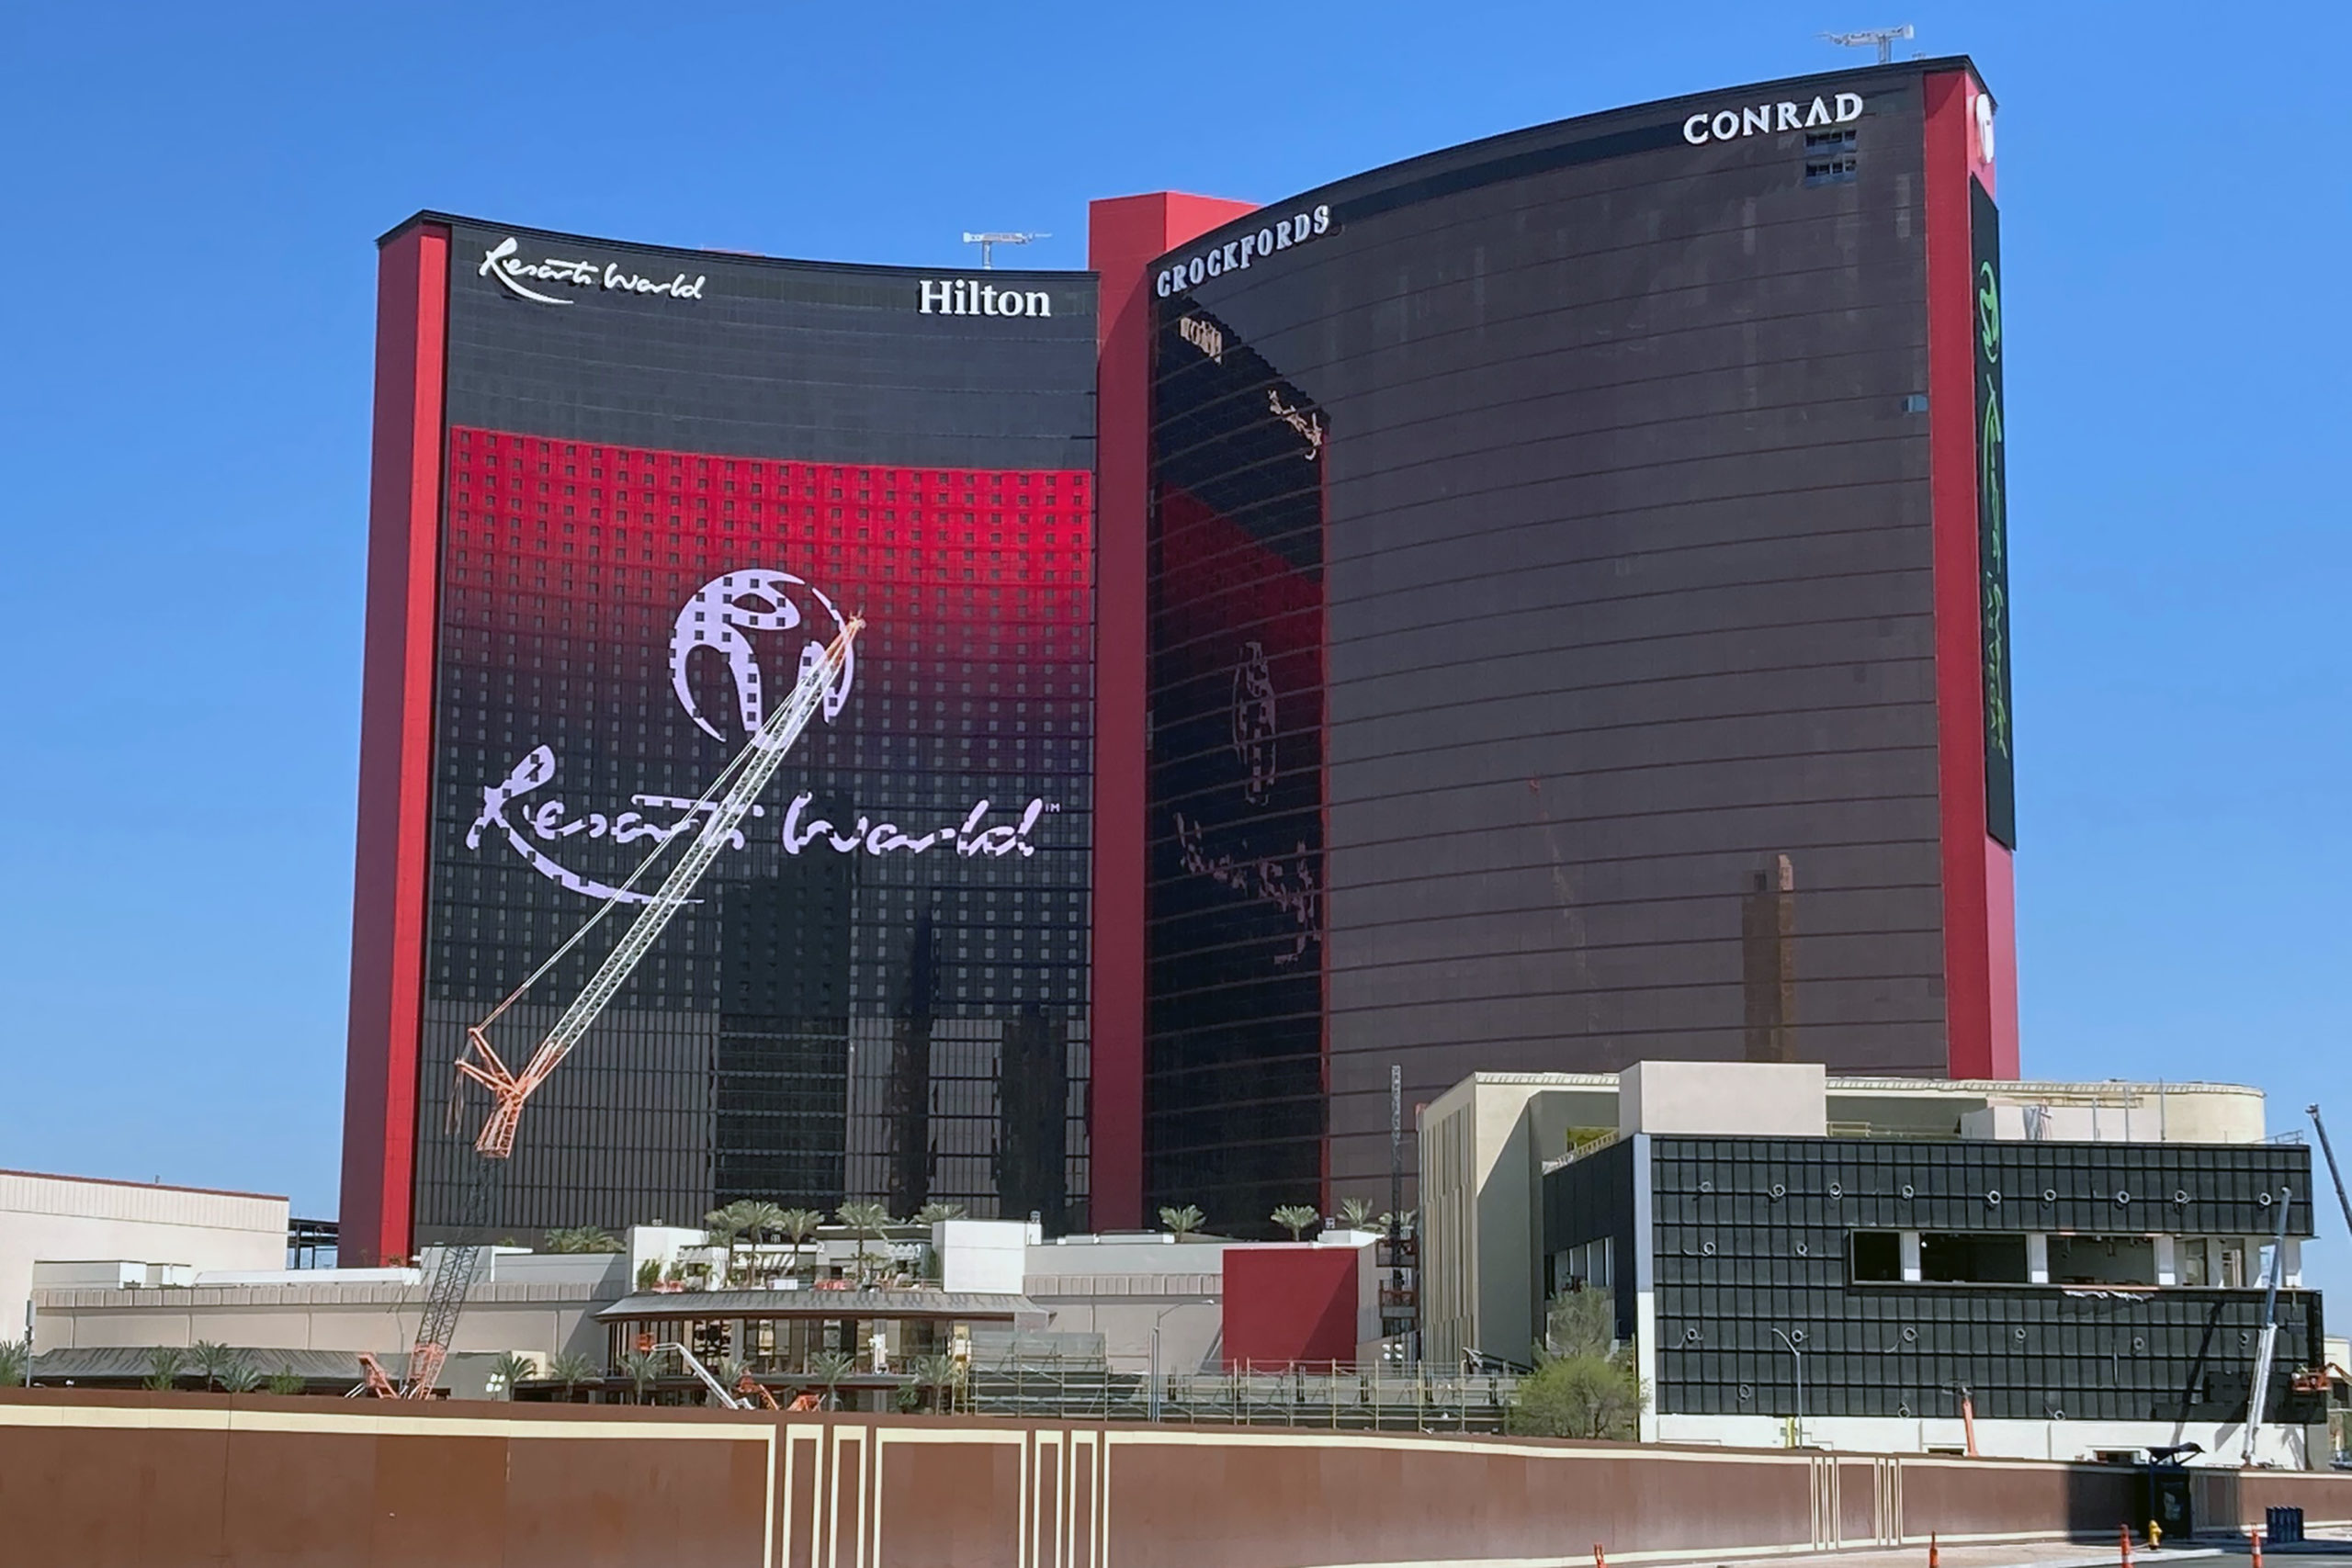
(731, 1065)
(1626, 590)
(1732, 1261)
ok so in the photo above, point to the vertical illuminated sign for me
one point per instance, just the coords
(1992, 519)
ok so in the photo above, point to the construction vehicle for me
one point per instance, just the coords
(719, 1391)
(723, 805)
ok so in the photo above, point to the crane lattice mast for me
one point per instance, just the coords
(721, 809)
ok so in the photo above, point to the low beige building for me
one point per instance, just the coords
(82, 1220)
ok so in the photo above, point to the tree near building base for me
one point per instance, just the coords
(1585, 1384)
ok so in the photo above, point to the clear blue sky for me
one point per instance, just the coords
(187, 291)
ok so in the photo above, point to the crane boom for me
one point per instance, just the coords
(2265, 1344)
(721, 811)
(2329, 1150)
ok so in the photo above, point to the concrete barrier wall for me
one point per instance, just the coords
(103, 1480)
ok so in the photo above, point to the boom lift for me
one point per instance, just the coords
(2329, 1150)
(722, 807)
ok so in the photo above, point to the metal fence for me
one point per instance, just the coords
(1337, 1399)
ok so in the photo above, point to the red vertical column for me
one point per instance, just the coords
(395, 748)
(1980, 900)
(1125, 235)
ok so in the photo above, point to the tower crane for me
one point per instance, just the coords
(722, 807)
(989, 240)
(1881, 39)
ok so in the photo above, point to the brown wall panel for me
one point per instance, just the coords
(290, 1501)
(845, 1522)
(948, 1504)
(1408, 1503)
(1857, 1504)
(130, 1481)
(570, 1504)
(801, 1457)
(2324, 1499)
(103, 1497)
(438, 1499)
(1956, 1498)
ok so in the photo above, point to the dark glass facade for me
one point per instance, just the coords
(656, 496)
(1751, 1235)
(1544, 629)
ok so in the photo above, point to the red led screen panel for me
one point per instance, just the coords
(881, 989)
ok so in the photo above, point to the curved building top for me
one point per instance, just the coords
(1577, 607)
(664, 347)
(1819, 102)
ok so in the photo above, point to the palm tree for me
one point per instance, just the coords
(572, 1368)
(16, 1362)
(940, 1374)
(722, 1227)
(509, 1370)
(1295, 1218)
(641, 1367)
(1186, 1220)
(165, 1364)
(211, 1362)
(648, 1273)
(865, 1220)
(241, 1376)
(931, 1214)
(797, 1225)
(1355, 1213)
(582, 1238)
(761, 1219)
(286, 1380)
(829, 1368)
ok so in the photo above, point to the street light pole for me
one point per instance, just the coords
(1152, 1402)
(1798, 1357)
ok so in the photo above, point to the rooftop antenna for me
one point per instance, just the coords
(988, 242)
(1881, 39)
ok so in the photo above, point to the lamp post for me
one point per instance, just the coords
(1152, 1400)
(1798, 1357)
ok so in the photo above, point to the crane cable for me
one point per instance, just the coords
(710, 795)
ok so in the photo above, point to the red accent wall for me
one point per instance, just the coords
(395, 749)
(1290, 1305)
(1980, 936)
(1124, 234)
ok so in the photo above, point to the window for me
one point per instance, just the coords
(1959, 1257)
(2102, 1260)
(1877, 1257)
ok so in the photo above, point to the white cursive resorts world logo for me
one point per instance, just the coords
(723, 611)
(720, 616)
(502, 262)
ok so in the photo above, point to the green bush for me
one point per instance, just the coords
(1579, 1396)
(1584, 1384)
